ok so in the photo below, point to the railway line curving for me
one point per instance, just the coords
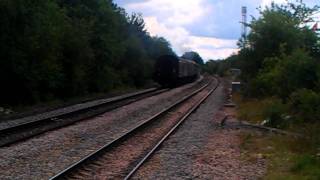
(137, 144)
(43, 156)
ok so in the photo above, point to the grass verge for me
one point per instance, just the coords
(250, 110)
(288, 158)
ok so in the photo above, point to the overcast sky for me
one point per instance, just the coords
(210, 27)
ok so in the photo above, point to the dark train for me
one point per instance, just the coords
(171, 71)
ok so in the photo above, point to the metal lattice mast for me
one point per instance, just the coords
(244, 22)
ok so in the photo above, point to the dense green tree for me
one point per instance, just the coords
(280, 28)
(31, 34)
(158, 46)
(211, 67)
(221, 67)
(277, 35)
(64, 48)
(193, 56)
(284, 74)
(305, 103)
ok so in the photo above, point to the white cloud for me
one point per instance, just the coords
(170, 19)
(212, 48)
(182, 41)
(173, 12)
(176, 35)
(181, 22)
(198, 41)
(217, 53)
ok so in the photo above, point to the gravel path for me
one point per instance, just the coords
(45, 155)
(201, 149)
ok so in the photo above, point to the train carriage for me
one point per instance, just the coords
(173, 71)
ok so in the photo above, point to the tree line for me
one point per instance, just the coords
(64, 48)
(280, 58)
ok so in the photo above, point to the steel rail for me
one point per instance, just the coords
(96, 154)
(5, 132)
(172, 130)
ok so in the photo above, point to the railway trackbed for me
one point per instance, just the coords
(122, 157)
(24, 128)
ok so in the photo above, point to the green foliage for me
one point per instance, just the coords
(280, 30)
(275, 112)
(280, 58)
(307, 165)
(250, 110)
(211, 67)
(221, 67)
(158, 46)
(284, 74)
(306, 104)
(60, 49)
(288, 158)
(193, 56)
(30, 44)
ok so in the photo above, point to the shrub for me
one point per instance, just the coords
(307, 165)
(285, 74)
(305, 104)
(275, 113)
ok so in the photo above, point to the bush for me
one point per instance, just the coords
(283, 75)
(305, 104)
(275, 113)
(307, 165)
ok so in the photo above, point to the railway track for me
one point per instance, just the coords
(122, 157)
(28, 127)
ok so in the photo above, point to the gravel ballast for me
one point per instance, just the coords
(58, 112)
(201, 149)
(119, 160)
(45, 155)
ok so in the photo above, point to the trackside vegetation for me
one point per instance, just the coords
(57, 49)
(280, 64)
